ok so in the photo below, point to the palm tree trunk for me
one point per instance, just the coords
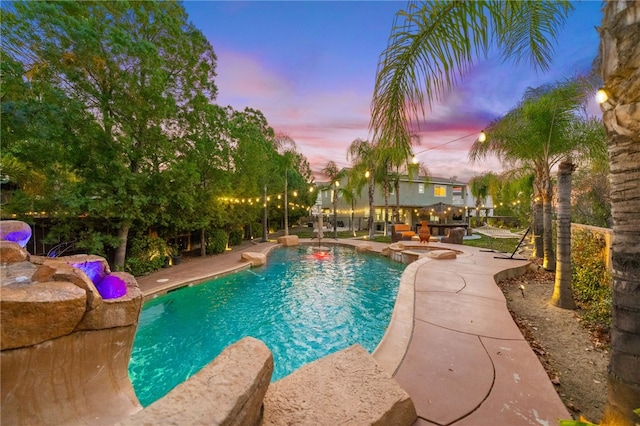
(396, 219)
(562, 291)
(538, 227)
(549, 260)
(386, 207)
(265, 231)
(335, 213)
(286, 206)
(371, 209)
(620, 65)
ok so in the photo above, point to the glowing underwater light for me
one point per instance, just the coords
(21, 236)
(109, 286)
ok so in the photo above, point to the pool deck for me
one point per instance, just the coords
(451, 344)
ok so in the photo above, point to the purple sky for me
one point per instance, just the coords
(309, 66)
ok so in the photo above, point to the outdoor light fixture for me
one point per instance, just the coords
(337, 184)
(602, 96)
(367, 174)
(482, 137)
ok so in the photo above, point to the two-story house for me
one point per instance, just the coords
(435, 199)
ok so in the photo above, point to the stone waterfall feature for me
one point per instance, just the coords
(65, 347)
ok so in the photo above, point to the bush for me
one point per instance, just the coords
(146, 254)
(590, 278)
(235, 237)
(216, 241)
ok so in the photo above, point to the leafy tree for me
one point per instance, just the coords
(132, 66)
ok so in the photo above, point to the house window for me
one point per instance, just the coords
(421, 188)
(440, 191)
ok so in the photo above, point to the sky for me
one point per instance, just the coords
(310, 66)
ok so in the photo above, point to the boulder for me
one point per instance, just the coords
(228, 391)
(347, 387)
(256, 259)
(456, 235)
(289, 240)
(11, 252)
(441, 254)
(119, 312)
(39, 311)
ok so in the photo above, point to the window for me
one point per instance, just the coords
(440, 191)
(421, 188)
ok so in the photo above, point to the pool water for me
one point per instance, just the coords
(301, 306)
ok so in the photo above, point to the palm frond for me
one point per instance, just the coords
(432, 44)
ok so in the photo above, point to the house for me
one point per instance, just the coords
(436, 199)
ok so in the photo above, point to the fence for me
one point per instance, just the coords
(605, 232)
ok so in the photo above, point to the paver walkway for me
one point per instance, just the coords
(451, 344)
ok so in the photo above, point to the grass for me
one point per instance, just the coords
(506, 245)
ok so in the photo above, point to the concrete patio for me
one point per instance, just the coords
(451, 344)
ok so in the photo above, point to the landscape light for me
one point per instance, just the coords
(482, 137)
(602, 96)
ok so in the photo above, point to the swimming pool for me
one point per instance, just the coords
(301, 307)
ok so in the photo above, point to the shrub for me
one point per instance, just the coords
(216, 241)
(235, 237)
(590, 278)
(146, 254)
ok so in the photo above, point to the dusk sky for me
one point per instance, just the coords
(310, 66)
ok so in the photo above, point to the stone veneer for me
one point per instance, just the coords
(65, 349)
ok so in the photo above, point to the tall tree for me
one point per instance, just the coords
(362, 154)
(481, 187)
(331, 171)
(287, 148)
(562, 293)
(620, 71)
(536, 135)
(133, 66)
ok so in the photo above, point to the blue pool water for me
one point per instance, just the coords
(301, 307)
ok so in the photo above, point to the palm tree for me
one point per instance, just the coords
(434, 42)
(331, 171)
(562, 293)
(363, 155)
(287, 148)
(481, 186)
(620, 72)
(537, 134)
